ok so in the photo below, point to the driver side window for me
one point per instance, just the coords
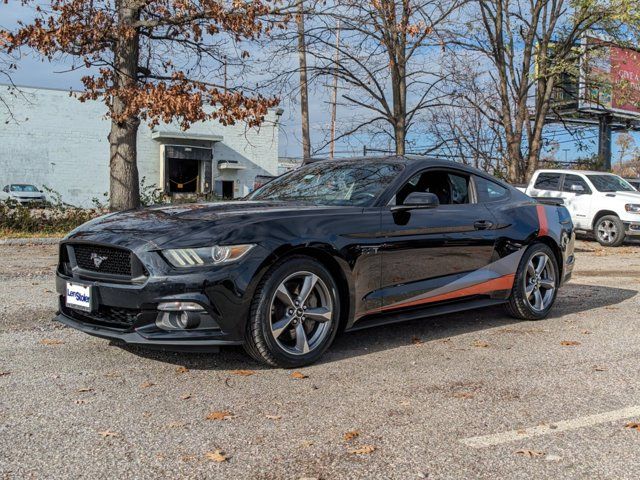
(450, 188)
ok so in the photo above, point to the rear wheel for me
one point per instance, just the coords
(294, 315)
(609, 231)
(536, 284)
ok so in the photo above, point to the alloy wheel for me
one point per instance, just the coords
(301, 313)
(540, 281)
(607, 231)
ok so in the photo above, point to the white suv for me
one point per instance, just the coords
(601, 203)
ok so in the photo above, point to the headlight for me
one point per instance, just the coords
(200, 257)
(632, 208)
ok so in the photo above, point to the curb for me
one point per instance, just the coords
(31, 241)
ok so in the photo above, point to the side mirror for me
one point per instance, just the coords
(418, 200)
(577, 188)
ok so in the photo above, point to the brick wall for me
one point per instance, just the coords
(62, 143)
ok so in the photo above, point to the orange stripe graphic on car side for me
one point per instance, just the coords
(504, 282)
(542, 220)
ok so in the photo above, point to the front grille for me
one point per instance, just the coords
(122, 318)
(114, 261)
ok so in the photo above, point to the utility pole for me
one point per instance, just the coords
(604, 141)
(304, 94)
(334, 100)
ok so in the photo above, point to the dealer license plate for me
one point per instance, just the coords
(79, 296)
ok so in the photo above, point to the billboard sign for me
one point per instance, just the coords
(609, 79)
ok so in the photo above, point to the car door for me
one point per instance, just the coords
(577, 197)
(425, 250)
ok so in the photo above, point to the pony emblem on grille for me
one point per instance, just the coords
(97, 259)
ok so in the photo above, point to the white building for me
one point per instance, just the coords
(56, 141)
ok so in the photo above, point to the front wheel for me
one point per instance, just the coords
(609, 231)
(294, 315)
(536, 284)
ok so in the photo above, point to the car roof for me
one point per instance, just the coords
(578, 172)
(413, 160)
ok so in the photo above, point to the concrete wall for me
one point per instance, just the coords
(57, 141)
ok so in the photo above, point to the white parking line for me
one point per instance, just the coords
(563, 426)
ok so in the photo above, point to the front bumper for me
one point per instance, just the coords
(631, 228)
(127, 311)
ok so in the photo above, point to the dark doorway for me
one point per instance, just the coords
(183, 175)
(224, 188)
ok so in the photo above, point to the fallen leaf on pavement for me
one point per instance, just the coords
(363, 450)
(221, 415)
(2, 374)
(633, 425)
(109, 433)
(600, 369)
(416, 340)
(80, 401)
(480, 343)
(299, 375)
(569, 343)
(243, 373)
(147, 385)
(463, 395)
(586, 332)
(186, 396)
(216, 456)
(176, 424)
(273, 417)
(530, 453)
(85, 389)
(351, 435)
(182, 370)
(51, 341)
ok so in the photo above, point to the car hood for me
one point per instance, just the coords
(625, 196)
(164, 226)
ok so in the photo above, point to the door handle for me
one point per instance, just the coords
(482, 225)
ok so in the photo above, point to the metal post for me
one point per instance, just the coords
(604, 141)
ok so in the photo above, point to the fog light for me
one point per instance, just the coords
(178, 320)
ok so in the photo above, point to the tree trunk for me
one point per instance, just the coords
(124, 183)
(304, 95)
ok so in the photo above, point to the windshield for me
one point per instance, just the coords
(332, 183)
(610, 183)
(23, 188)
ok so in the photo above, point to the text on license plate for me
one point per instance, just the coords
(79, 296)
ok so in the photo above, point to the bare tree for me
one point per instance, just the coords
(527, 45)
(382, 60)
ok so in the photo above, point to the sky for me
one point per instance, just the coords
(37, 73)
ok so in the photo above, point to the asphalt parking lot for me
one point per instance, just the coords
(473, 395)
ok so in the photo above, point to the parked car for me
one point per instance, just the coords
(634, 182)
(23, 193)
(600, 203)
(331, 246)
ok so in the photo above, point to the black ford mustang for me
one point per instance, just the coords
(334, 245)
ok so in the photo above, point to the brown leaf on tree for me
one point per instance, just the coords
(299, 375)
(109, 433)
(633, 426)
(243, 373)
(273, 417)
(147, 384)
(351, 435)
(217, 456)
(569, 343)
(530, 453)
(51, 341)
(363, 450)
(182, 370)
(220, 415)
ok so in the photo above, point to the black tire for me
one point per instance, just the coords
(519, 305)
(609, 231)
(260, 342)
